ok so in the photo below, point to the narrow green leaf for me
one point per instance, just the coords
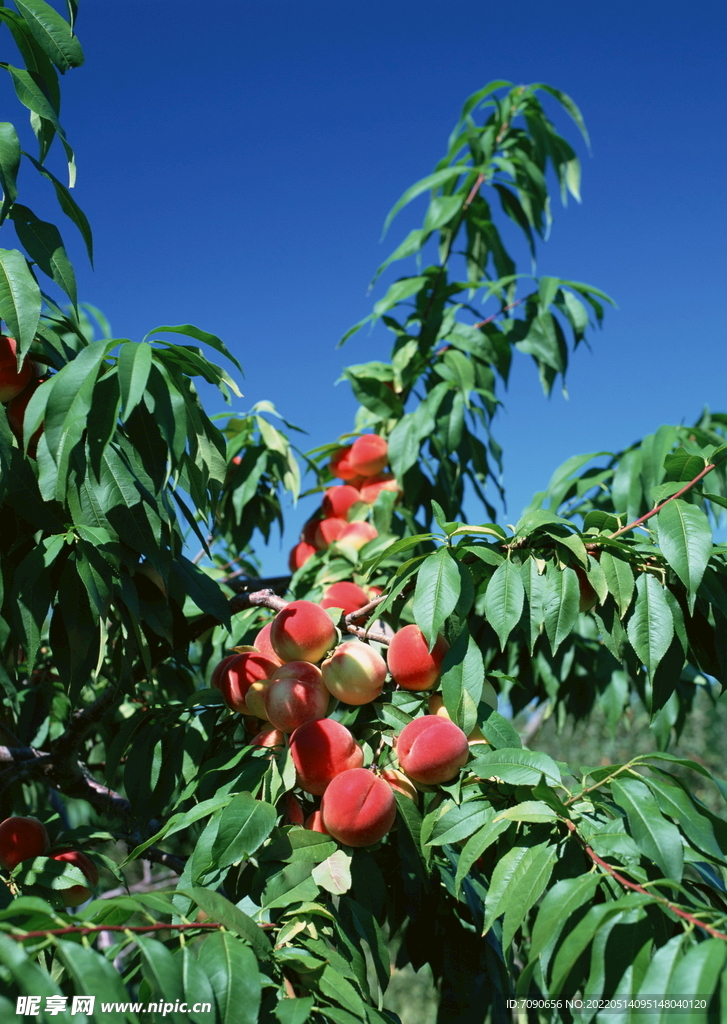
(463, 676)
(657, 838)
(437, 590)
(9, 164)
(685, 538)
(195, 332)
(651, 625)
(511, 868)
(504, 600)
(476, 846)
(232, 969)
(244, 826)
(52, 33)
(517, 766)
(460, 822)
(561, 603)
(432, 181)
(20, 299)
(44, 245)
(134, 365)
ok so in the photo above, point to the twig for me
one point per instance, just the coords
(642, 519)
(635, 887)
(238, 603)
(361, 613)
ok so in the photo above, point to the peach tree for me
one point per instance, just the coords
(268, 784)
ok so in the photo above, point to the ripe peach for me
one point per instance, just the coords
(431, 749)
(292, 810)
(348, 596)
(16, 415)
(321, 749)
(236, 679)
(369, 454)
(358, 808)
(376, 484)
(299, 555)
(314, 822)
(302, 631)
(12, 380)
(262, 643)
(355, 535)
(340, 465)
(291, 702)
(21, 839)
(411, 663)
(399, 782)
(308, 533)
(436, 707)
(354, 673)
(268, 737)
(327, 531)
(219, 669)
(255, 698)
(338, 500)
(77, 894)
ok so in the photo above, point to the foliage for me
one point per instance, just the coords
(523, 876)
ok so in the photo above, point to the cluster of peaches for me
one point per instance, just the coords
(361, 465)
(25, 838)
(17, 387)
(292, 678)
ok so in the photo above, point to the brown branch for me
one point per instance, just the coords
(361, 613)
(238, 603)
(635, 887)
(642, 519)
(135, 929)
(494, 316)
(367, 634)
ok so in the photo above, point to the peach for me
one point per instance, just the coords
(347, 596)
(354, 672)
(358, 808)
(355, 535)
(238, 676)
(431, 749)
(21, 839)
(292, 810)
(369, 454)
(255, 698)
(219, 669)
(268, 737)
(299, 555)
(304, 670)
(436, 707)
(308, 533)
(302, 631)
(340, 465)
(411, 663)
(12, 380)
(376, 484)
(314, 822)
(399, 782)
(338, 500)
(262, 643)
(327, 531)
(77, 894)
(290, 702)
(16, 416)
(321, 749)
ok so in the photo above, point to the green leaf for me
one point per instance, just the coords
(651, 625)
(463, 675)
(657, 838)
(698, 973)
(685, 538)
(437, 590)
(432, 181)
(517, 882)
(498, 731)
(52, 33)
(244, 826)
(234, 919)
(476, 846)
(528, 810)
(195, 332)
(134, 365)
(334, 873)
(398, 292)
(562, 599)
(294, 1011)
(9, 164)
(93, 975)
(20, 299)
(560, 902)
(517, 766)
(673, 801)
(460, 822)
(44, 245)
(232, 969)
(620, 580)
(504, 600)
(536, 587)
(69, 206)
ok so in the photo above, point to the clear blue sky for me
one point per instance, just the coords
(237, 160)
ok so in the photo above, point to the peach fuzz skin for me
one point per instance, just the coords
(358, 808)
(431, 750)
(321, 749)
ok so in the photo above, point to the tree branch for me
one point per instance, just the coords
(642, 519)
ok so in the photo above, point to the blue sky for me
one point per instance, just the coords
(237, 160)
